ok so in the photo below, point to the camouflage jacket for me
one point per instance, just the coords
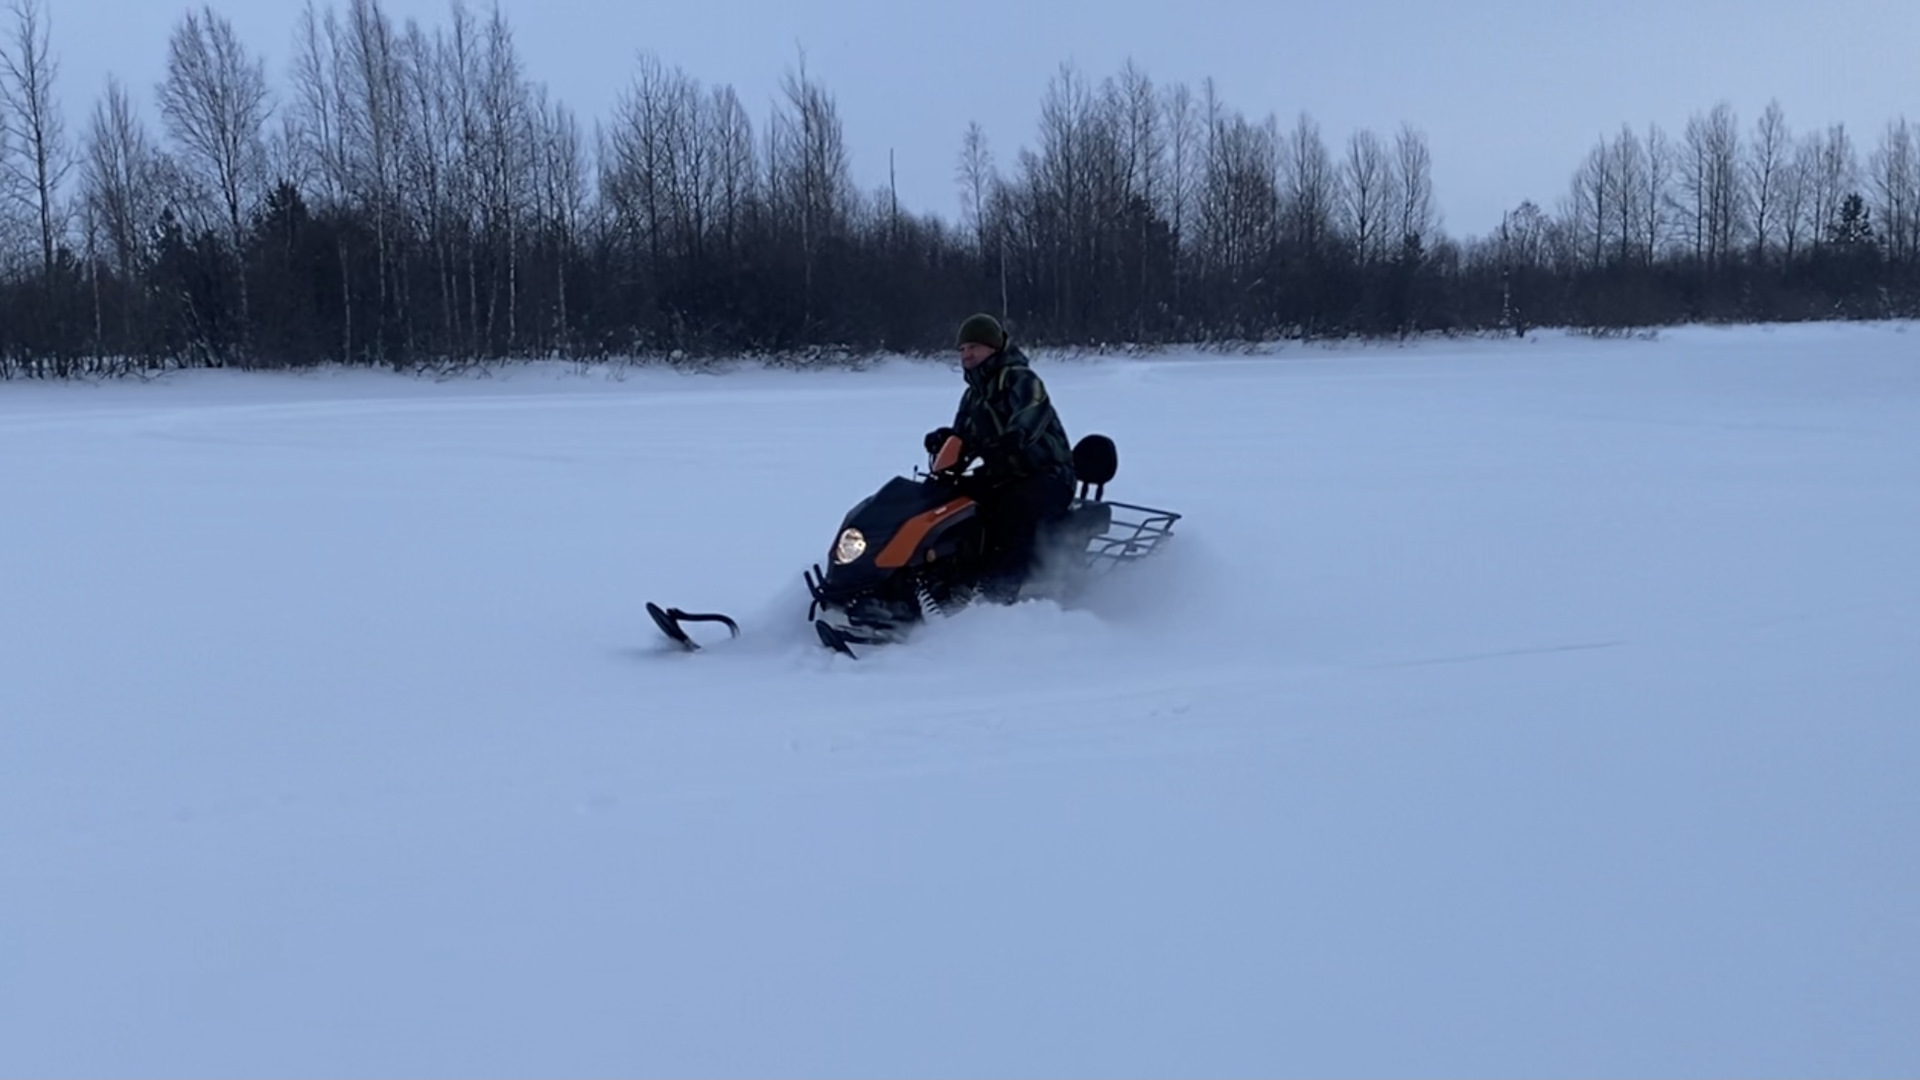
(1007, 421)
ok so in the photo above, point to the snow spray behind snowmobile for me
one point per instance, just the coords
(915, 549)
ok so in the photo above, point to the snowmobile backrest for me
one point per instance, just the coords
(1095, 461)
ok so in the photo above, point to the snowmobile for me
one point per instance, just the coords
(915, 549)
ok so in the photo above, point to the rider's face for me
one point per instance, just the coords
(972, 353)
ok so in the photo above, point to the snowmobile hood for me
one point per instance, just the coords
(900, 523)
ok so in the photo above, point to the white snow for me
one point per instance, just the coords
(1546, 707)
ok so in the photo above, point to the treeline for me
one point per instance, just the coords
(410, 196)
(1719, 224)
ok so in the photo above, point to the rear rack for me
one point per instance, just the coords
(1130, 536)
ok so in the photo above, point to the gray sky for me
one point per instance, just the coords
(1510, 94)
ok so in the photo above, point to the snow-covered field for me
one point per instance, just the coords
(1546, 707)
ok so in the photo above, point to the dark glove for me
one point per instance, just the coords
(938, 438)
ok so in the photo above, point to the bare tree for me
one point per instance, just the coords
(1894, 178)
(974, 172)
(1766, 165)
(1711, 185)
(505, 159)
(1309, 186)
(1140, 135)
(1793, 188)
(1524, 238)
(117, 176)
(430, 163)
(1592, 208)
(372, 95)
(692, 188)
(118, 181)
(1728, 193)
(1184, 163)
(1413, 179)
(318, 128)
(560, 169)
(461, 61)
(627, 151)
(1626, 168)
(1141, 146)
(1656, 194)
(1239, 205)
(1367, 198)
(214, 103)
(811, 170)
(1060, 179)
(1607, 205)
(640, 175)
(321, 135)
(31, 119)
(1833, 169)
(734, 168)
(1214, 188)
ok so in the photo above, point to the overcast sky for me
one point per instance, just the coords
(1511, 94)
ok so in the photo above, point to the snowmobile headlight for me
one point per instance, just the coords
(851, 546)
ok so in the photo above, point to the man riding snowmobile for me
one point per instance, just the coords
(929, 545)
(1026, 475)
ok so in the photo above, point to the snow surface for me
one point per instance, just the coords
(1544, 707)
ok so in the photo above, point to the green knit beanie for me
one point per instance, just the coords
(983, 329)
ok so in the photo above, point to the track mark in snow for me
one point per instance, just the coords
(1500, 654)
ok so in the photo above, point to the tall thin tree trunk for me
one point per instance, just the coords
(560, 261)
(346, 303)
(513, 285)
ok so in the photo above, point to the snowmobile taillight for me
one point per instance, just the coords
(851, 546)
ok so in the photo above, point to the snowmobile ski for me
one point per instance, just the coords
(669, 620)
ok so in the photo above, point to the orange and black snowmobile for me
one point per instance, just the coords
(915, 549)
